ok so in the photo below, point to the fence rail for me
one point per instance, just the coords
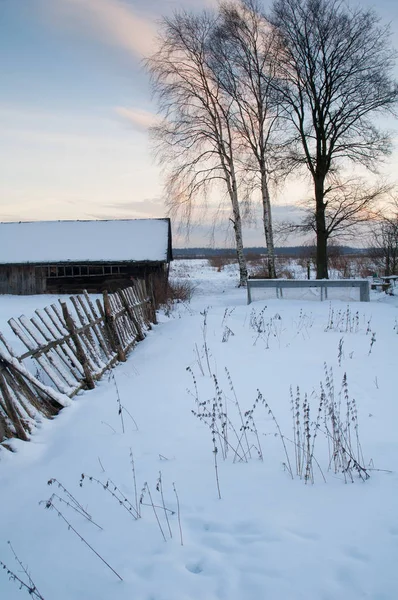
(71, 346)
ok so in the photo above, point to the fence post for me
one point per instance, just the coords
(82, 358)
(152, 300)
(11, 410)
(3, 429)
(249, 294)
(111, 328)
(140, 291)
(130, 312)
(364, 292)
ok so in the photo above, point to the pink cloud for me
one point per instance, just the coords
(111, 21)
(140, 119)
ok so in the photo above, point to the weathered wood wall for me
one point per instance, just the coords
(20, 279)
(43, 279)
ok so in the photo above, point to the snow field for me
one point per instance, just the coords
(269, 536)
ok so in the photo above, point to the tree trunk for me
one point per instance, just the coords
(321, 233)
(387, 269)
(267, 220)
(237, 225)
(236, 220)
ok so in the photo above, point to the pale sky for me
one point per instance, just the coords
(75, 106)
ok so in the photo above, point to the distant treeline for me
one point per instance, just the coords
(298, 251)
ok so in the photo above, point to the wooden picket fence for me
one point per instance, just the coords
(71, 347)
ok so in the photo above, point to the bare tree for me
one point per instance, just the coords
(384, 241)
(349, 204)
(243, 60)
(335, 67)
(196, 140)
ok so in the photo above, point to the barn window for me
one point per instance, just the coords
(61, 271)
(95, 270)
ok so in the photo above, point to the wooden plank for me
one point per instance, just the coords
(125, 322)
(11, 410)
(137, 304)
(12, 363)
(140, 292)
(63, 363)
(85, 322)
(79, 348)
(38, 400)
(55, 364)
(145, 300)
(113, 336)
(120, 325)
(117, 321)
(86, 336)
(130, 302)
(117, 317)
(136, 307)
(5, 431)
(107, 333)
(6, 345)
(152, 301)
(99, 318)
(60, 316)
(136, 324)
(130, 323)
(59, 328)
(39, 357)
(88, 310)
(20, 409)
(19, 395)
(94, 364)
(67, 346)
(100, 308)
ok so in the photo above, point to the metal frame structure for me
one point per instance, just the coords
(322, 284)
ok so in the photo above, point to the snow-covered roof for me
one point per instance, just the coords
(81, 241)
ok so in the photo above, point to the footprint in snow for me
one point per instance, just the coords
(195, 567)
(306, 536)
(211, 526)
(353, 552)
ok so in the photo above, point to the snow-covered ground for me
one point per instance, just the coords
(15, 306)
(270, 535)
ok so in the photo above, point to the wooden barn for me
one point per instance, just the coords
(46, 257)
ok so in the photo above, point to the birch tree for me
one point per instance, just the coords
(243, 55)
(196, 141)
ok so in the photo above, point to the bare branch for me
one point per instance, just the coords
(334, 77)
(196, 144)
